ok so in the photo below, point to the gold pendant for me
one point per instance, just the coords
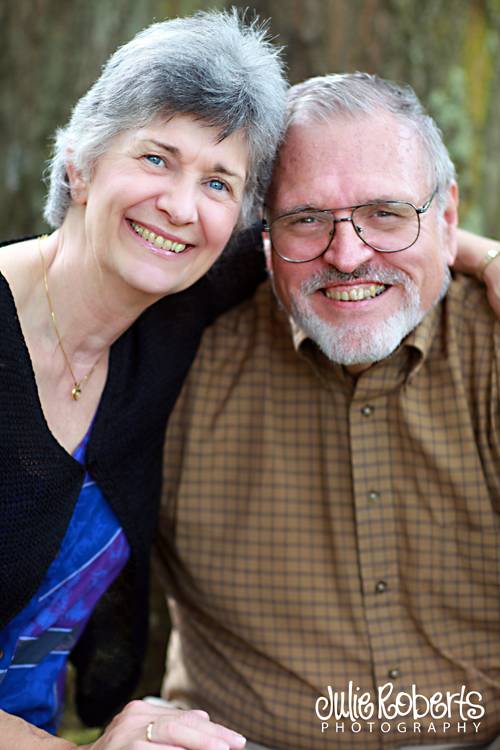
(76, 392)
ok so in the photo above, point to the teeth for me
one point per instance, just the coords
(356, 293)
(156, 239)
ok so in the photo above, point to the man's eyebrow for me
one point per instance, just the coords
(311, 207)
(390, 198)
(217, 167)
(304, 207)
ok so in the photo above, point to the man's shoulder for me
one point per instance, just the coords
(258, 313)
(241, 343)
(471, 329)
(468, 306)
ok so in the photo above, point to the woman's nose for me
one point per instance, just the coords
(179, 202)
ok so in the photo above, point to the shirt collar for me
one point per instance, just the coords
(419, 340)
(298, 335)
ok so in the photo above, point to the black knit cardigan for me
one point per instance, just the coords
(40, 481)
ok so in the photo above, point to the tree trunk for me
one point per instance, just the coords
(448, 50)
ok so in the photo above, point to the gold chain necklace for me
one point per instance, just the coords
(76, 391)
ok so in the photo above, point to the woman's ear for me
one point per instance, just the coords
(77, 184)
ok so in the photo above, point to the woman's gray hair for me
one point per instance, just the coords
(213, 65)
(351, 94)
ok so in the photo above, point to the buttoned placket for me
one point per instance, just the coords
(375, 510)
(369, 419)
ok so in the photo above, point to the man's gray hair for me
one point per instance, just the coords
(350, 94)
(213, 65)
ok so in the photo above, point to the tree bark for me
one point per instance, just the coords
(448, 50)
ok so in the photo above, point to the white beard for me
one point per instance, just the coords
(361, 343)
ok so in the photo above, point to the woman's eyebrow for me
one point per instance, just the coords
(175, 151)
(218, 167)
(164, 146)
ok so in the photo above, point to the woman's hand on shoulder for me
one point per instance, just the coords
(169, 729)
(472, 255)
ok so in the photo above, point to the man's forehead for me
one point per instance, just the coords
(350, 138)
(364, 157)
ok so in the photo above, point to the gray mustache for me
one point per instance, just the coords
(366, 271)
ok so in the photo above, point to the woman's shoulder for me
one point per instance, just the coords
(16, 247)
(17, 259)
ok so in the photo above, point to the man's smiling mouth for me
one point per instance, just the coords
(355, 293)
(157, 239)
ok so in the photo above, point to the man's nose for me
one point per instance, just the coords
(179, 202)
(347, 250)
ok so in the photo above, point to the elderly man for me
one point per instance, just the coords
(330, 531)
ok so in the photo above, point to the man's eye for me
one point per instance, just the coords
(384, 215)
(217, 185)
(392, 211)
(156, 160)
(297, 220)
(312, 220)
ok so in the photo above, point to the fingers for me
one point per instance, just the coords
(190, 730)
(144, 726)
(199, 712)
(491, 277)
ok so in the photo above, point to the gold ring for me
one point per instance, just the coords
(149, 731)
(493, 253)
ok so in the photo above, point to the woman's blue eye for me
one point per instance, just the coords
(154, 159)
(217, 185)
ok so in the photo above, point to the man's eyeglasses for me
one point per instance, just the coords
(385, 226)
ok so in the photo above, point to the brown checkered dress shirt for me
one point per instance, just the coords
(318, 531)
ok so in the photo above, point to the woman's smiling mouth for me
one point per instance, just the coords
(162, 243)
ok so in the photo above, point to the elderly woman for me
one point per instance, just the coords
(165, 155)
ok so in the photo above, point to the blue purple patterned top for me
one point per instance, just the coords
(35, 645)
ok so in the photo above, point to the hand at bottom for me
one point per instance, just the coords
(169, 729)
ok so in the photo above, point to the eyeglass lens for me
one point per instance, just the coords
(388, 227)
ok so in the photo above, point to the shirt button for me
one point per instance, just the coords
(367, 410)
(373, 495)
(393, 674)
(380, 587)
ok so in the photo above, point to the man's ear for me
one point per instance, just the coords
(450, 223)
(267, 251)
(77, 184)
(266, 241)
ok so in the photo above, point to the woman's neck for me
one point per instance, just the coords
(93, 306)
